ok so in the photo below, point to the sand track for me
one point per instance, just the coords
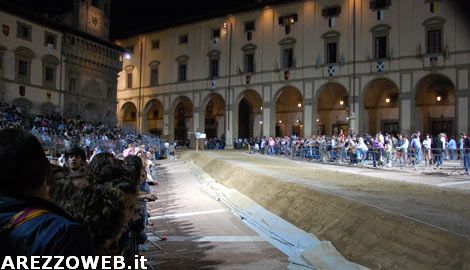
(377, 223)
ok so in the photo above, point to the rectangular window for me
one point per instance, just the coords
(50, 38)
(380, 46)
(249, 63)
(214, 68)
(129, 80)
(182, 72)
(154, 76)
(23, 31)
(49, 75)
(250, 26)
(215, 33)
(183, 39)
(434, 41)
(155, 44)
(23, 68)
(287, 58)
(331, 52)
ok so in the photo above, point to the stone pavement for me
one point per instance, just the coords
(201, 231)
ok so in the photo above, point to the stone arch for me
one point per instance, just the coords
(333, 105)
(181, 118)
(212, 115)
(25, 52)
(91, 111)
(435, 100)
(50, 59)
(152, 118)
(288, 111)
(381, 110)
(248, 114)
(25, 105)
(128, 115)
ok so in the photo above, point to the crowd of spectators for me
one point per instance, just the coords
(384, 150)
(70, 187)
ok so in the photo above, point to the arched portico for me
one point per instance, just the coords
(181, 118)
(289, 112)
(381, 107)
(248, 115)
(128, 115)
(213, 116)
(332, 109)
(152, 118)
(435, 105)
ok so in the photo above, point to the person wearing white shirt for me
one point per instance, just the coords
(427, 150)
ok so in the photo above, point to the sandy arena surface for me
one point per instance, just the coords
(378, 222)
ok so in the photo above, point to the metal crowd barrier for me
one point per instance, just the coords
(438, 158)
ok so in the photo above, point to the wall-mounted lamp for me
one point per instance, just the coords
(127, 56)
(260, 122)
(318, 120)
(299, 105)
(280, 121)
(438, 98)
(341, 102)
(387, 100)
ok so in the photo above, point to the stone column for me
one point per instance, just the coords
(462, 102)
(269, 125)
(406, 111)
(308, 118)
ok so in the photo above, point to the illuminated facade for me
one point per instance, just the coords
(303, 67)
(61, 63)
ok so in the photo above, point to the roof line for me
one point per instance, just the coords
(199, 18)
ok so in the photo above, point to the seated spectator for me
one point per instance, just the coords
(30, 224)
(75, 159)
(100, 208)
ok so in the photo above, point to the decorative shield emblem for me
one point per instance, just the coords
(6, 29)
(286, 75)
(248, 79)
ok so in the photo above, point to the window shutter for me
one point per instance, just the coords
(281, 20)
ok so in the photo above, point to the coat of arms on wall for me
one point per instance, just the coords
(6, 29)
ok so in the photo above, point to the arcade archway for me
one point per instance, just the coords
(214, 122)
(183, 118)
(332, 109)
(153, 117)
(249, 114)
(129, 116)
(289, 112)
(435, 105)
(381, 107)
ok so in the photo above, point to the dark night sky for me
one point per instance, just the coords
(128, 17)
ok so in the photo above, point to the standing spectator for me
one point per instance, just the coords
(466, 153)
(451, 148)
(439, 150)
(427, 144)
(416, 148)
(442, 137)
